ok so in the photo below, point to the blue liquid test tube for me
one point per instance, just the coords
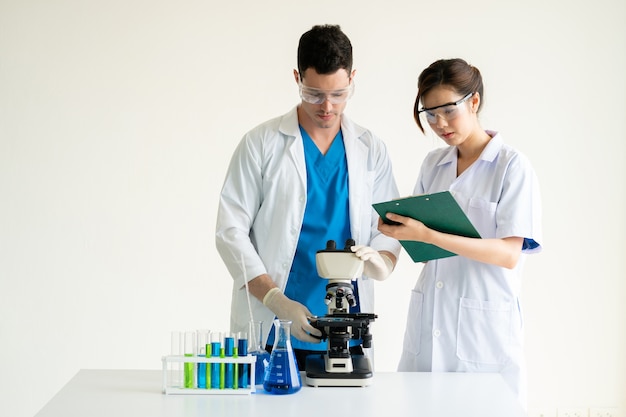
(242, 350)
(202, 338)
(215, 353)
(229, 345)
(235, 367)
(208, 365)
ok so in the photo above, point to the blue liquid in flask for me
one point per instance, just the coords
(282, 375)
(262, 360)
(256, 349)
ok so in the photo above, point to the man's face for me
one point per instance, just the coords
(332, 90)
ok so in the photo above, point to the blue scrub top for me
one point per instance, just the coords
(326, 217)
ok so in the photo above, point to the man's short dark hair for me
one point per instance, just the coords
(326, 49)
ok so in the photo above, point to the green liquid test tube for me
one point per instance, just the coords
(190, 350)
(189, 368)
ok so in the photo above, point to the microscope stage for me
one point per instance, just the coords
(317, 376)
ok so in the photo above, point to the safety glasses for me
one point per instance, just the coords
(447, 112)
(318, 96)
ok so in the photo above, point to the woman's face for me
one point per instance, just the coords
(450, 115)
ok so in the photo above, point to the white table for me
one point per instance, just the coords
(126, 393)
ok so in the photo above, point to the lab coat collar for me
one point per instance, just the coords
(289, 123)
(493, 147)
(488, 154)
(289, 126)
(350, 129)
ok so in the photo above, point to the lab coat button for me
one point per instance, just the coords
(437, 333)
(439, 284)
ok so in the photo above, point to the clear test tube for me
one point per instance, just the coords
(201, 350)
(190, 350)
(216, 345)
(176, 369)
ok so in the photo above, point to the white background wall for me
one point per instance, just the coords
(118, 118)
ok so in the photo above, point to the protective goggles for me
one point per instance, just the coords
(447, 112)
(318, 96)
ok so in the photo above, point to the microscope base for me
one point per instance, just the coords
(317, 376)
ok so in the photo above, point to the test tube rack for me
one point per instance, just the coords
(169, 388)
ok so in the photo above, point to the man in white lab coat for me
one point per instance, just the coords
(295, 182)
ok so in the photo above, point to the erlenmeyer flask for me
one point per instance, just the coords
(282, 375)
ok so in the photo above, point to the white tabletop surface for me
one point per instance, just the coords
(136, 393)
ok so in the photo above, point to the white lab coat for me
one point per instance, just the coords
(263, 200)
(464, 315)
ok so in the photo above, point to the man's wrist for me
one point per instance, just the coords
(269, 296)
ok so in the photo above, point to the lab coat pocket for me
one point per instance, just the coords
(482, 214)
(484, 331)
(412, 334)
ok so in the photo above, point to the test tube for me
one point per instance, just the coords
(190, 350)
(235, 367)
(202, 339)
(229, 344)
(176, 369)
(215, 352)
(242, 350)
(208, 355)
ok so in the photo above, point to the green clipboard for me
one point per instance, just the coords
(439, 211)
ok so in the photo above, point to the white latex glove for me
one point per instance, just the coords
(377, 265)
(287, 309)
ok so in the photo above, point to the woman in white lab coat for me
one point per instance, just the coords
(465, 312)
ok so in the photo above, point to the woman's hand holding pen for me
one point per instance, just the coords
(405, 228)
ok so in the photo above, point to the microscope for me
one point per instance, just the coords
(338, 367)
